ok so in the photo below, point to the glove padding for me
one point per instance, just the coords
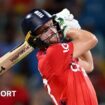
(66, 21)
(30, 39)
(35, 42)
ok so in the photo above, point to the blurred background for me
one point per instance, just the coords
(24, 77)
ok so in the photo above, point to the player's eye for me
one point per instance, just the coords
(45, 30)
(51, 24)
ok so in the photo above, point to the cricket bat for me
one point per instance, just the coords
(9, 59)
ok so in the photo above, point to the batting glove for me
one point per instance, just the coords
(66, 21)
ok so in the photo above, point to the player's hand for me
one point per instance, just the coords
(66, 20)
(62, 17)
(30, 39)
(35, 41)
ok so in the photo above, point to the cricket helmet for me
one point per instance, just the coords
(34, 20)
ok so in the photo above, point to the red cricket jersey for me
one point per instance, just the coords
(64, 79)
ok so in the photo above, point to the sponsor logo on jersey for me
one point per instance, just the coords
(65, 47)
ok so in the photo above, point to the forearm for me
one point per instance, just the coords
(86, 61)
(80, 35)
(83, 41)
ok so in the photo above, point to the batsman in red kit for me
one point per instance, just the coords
(64, 56)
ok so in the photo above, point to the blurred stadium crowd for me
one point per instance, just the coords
(24, 77)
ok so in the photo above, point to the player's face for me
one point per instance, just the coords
(49, 33)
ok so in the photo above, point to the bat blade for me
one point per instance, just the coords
(14, 56)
